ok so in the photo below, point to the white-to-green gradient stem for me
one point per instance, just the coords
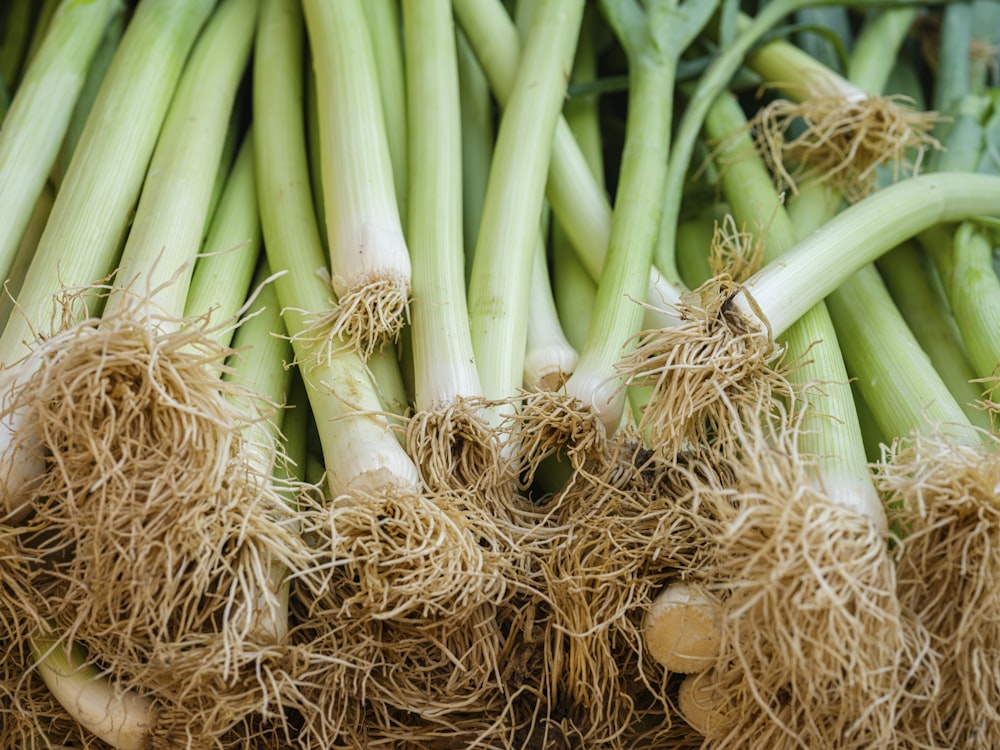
(122, 718)
(40, 112)
(549, 358)
(363, 222)
(385, 28)
(653, 40)
(830, 431)
(359, 448)
(579, 202)
(444, 366)
(818, 263)
(169, 223)
(95, 201)
(501, 270)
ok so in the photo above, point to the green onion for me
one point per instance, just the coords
(501, 266)
(359, 449)
(369, 261)
(34, 127)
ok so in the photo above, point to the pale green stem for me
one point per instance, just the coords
(385, 28)
(167, 230)
(830, 431)
(975, 298)
(501, 271)
(359, 448)
(443, 359)
(231, 250)
(39, 115)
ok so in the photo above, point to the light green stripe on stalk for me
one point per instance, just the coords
(384, 28)
(98, 68)
(358, 446)
(578, 201)
(975, 297)
(894, 374)
(478, 137)
(92, 209)
(654, 41)
(26, 250)
(232, 247)
(501, 270)
(820, 262)
(40, 27)
(39, 115)
(443, 360)
(831, 433)
(167, 231)
(906, 273)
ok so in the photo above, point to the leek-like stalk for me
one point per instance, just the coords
(906, 273)
(122, 718)
(15, 40)
(831, 433)
(385, 29)
(232, 247)
(819, 263)
(39, 115)
(549, 358)
(359, 448)
(501, 270)
(653, 43)
(578, 201)
(168, 227)
(443, 358)
(93, 206)
(369, 260)
(975, 298)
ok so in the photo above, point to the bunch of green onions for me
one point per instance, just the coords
(478, 374)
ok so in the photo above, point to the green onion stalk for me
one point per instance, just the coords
(369, 262)
(578, 201)
(591, 405)
(150, 464)
(732, 328)
(398, 569)
(500, 278)
(90, 215)
(939, 477)
(39, 115)
(447, 434)
(809, 521)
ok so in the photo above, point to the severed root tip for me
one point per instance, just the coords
(945, 500)
(455, 449)
(844, 141)
(703, 370)
(365, 316)
(682, 629)
(700, 701)
(549, 423)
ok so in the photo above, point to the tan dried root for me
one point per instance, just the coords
(365, 318)
(456, 450)
(550, 423)
(945, 499)
(703, 370)
(736, 251)
(844, 141)
(399, 619)
(156, 525)
(817, 650)
(623, 529)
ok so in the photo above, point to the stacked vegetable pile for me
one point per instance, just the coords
(540, 374)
